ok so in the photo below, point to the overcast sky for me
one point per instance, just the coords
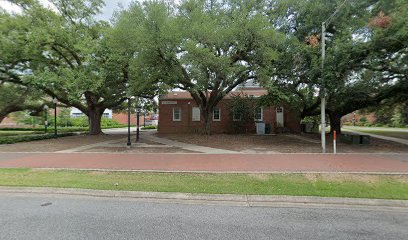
(111, 6)
(107, 11)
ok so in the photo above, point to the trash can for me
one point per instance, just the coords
(309, 127)
(364, 139)
(260, 128)
(268, 128)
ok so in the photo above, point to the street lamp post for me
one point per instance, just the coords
(144, 119)
(322, 88)
(128, 139)
(138, 109)
(55, 100)
(46, 118)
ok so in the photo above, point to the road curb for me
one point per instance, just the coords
(228, 199)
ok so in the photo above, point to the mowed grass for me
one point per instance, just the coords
(325, 185)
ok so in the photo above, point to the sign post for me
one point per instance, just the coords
(334, 142)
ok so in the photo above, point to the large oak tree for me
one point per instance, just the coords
(366, 54)
(64, 52)
(207, 48)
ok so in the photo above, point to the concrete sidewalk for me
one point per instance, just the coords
(230, 163)
(392, 139)
(187, 146)
(148, 135)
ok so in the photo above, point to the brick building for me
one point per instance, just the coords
(122, 117)
(180, 114)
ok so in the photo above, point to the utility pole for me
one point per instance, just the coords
(323, 92)
(322, 88)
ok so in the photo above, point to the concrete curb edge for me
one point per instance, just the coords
(241, 200)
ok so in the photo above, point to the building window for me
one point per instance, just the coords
(176, 114)
(105, 115)
(236, 115)
(195, 114)
(258, 114)
(217, 114)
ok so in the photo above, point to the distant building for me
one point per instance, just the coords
(180, 114)
(76, 113)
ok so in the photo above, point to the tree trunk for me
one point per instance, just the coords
(207, 116)
(94, 117)
(335, 123)
(2, 117)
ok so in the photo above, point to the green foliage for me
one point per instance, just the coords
(207, 48)
(67, 53)
(22, 129)
(243, 109)
(83, 122)
(149, 127)
(399, 118)
(391, 113)
(28, 138)
(15, 98)
(364, 63)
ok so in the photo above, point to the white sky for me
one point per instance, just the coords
(107, 11)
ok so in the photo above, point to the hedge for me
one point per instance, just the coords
(149, 127)
(60, 129)
(28, 138)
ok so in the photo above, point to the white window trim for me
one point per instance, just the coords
(174, 119)
(216, 120)
(261, 119)
(199, 114)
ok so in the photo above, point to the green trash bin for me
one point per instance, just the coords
(268, 128)
(364, 139)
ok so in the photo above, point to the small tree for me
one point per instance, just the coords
(242, 112)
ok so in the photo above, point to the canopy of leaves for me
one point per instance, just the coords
(365, 62)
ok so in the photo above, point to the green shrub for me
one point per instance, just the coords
(27, 138)
(149, 127)
(105, 122)
(22, 129)
(363, 119)
(50, 129)
(79, 122)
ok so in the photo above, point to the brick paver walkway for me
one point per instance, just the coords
(387, 163)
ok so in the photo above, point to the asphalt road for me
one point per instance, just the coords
(64, 217)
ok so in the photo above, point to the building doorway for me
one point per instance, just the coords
(279, 117)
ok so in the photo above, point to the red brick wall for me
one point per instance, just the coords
(123, 118)
(8, 121)
(186, 125)
(349, 117)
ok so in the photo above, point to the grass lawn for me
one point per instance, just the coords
(328, 185)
